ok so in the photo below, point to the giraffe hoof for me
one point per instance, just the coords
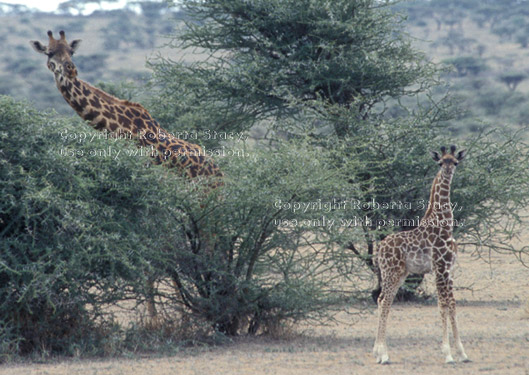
(450, 361)
(465, 360)
(383, 360)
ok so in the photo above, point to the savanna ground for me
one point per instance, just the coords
(493, 314)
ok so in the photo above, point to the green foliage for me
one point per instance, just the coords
(77, 25)
(455, 40)
(499, 22)
(261, 250)
(121, 33)
(84, 224)
(343, 76)
(493, 102)
(267, 55)
(22, 66)
(514, 26)
(491, 189)
(71, 228)
(152, 9)
(91, 63)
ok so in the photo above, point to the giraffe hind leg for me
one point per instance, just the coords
(153, 318)
(445, 346)
(390, 286)
(462, 356)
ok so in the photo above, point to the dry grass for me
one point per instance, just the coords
(492, 304)
(526, 312)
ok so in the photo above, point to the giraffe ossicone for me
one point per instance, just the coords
(429, 246)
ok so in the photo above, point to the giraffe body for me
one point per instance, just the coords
(429, 247)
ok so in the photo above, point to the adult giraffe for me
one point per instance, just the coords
(124, 119)
(428, 246)
(121, 117)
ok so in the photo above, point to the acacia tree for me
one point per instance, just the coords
(275, 59)
(512, 79)
(344, 75)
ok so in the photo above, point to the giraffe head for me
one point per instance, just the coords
(59, 53)
(448, 160)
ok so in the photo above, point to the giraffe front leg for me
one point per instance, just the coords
(453, 319)
(380, 349)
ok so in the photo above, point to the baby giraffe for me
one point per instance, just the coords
(428, 246)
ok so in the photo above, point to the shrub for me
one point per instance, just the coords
(512, 79)
(467, 65)
(70, 230)
(84, 225)
(274, 233)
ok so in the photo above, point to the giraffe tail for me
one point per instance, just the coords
(376, 269)
(374, 259)
(453, 244)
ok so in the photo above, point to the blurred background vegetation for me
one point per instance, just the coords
(483, 43)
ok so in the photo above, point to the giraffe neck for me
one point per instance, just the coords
(102, 110)
(440, 207)
(130, 120)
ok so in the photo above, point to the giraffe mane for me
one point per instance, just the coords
(113, 99)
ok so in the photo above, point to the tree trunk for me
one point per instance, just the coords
(228, 326)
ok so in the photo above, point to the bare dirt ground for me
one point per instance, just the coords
(493, 318)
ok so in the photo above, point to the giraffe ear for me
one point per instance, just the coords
(461, 155)
(37, 46)
(75, 44)
(435, 155)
